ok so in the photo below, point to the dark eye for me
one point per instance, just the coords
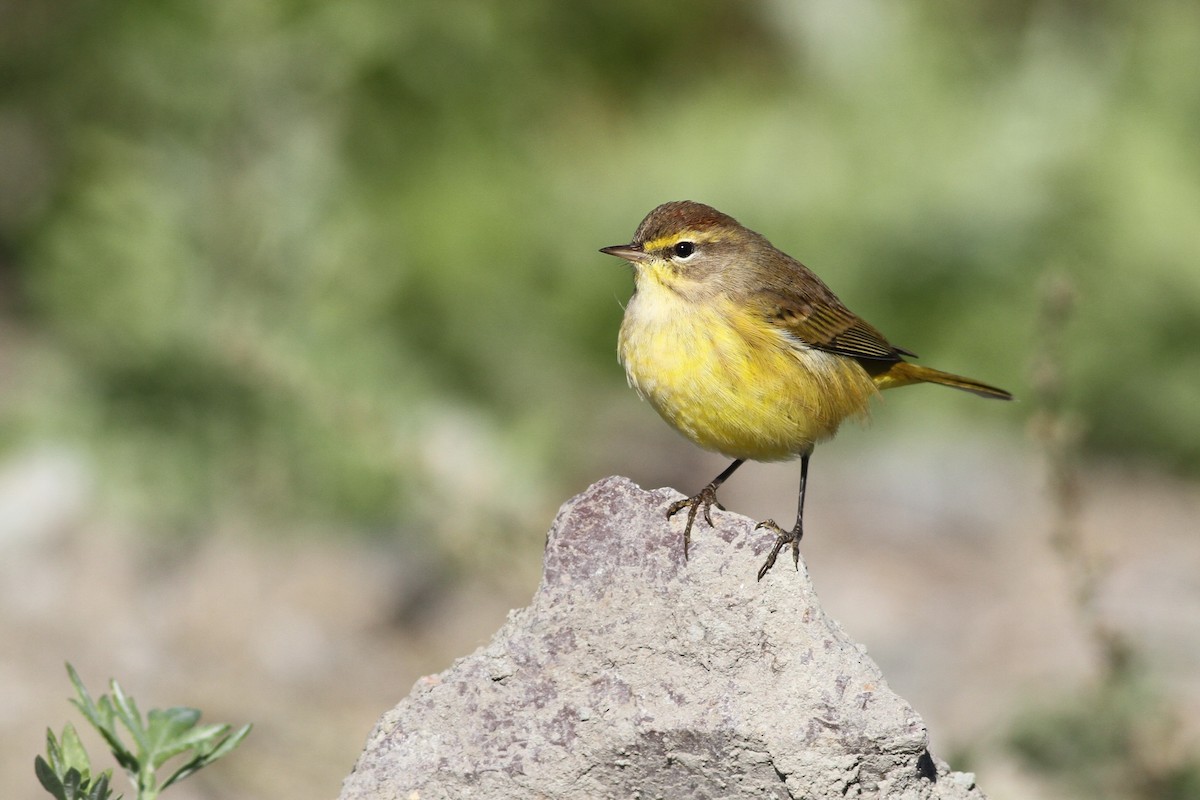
(683, 249)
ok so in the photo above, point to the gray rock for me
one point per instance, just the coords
(634, 674)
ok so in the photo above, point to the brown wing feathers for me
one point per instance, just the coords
(826, 324)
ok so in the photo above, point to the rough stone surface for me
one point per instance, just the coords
(634, 674)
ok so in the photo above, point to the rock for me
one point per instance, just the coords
(634, 674)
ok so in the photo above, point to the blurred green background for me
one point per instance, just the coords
(329, 269)
(251, 251)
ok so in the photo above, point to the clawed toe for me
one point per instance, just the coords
(705, 500)
(783, 537)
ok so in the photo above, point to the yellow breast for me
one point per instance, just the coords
(731, 382)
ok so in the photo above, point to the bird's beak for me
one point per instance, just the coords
(632, 253)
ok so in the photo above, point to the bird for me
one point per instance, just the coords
(747, 353)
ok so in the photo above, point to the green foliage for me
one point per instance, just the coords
(1116, 742)
(66, 771)
(269, 242)
(163, 734)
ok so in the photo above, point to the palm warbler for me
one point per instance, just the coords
(746, 352)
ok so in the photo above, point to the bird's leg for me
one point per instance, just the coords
(788, 537)
(706, 498)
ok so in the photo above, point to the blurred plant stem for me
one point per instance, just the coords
(1116, 739)
(1058, 431)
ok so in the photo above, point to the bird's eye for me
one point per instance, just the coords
(683, 249)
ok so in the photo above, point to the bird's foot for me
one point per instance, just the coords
(706, 499)
(791, 537)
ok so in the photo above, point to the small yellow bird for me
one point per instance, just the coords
(745, 351)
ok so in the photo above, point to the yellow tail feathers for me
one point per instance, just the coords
(903, 373)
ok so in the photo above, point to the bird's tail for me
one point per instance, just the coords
(902, 373)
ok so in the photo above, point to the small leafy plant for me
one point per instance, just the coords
(163, 734)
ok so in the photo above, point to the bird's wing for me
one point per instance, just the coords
(818, 319)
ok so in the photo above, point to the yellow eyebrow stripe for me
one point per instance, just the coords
(699, 237)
